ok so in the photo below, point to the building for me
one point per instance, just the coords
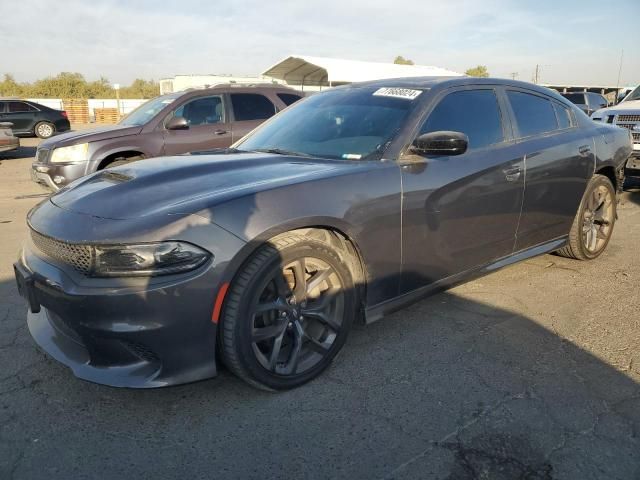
(183, 82)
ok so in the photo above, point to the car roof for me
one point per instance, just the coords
(431, 82)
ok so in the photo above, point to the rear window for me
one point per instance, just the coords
(251, 106)
(577, 98)
(534, 115)
(288, 98)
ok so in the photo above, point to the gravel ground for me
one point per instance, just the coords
(530, 373)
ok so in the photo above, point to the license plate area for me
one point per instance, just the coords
(26, 287)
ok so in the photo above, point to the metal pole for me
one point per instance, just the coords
(619, 72)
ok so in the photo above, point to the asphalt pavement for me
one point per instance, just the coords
(532, 372)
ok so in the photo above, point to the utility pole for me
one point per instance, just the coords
(619, 72)
(514, 75)
(537, 74)
(116, 87)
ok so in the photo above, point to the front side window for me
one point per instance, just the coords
(534, 115)
(634, 95)
(251, 106)
(202, 111)
(597, 101)
(473, 112)
(348, 124)
(16, 107)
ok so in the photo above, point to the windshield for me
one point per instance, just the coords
(577, 98)
(349, 124)
(635, 95)
(147, 110)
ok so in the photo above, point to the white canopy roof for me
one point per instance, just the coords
(321, 71)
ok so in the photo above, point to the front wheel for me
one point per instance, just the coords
(593, 224)
(44, 130)
(288, 313)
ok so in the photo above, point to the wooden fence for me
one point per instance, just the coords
(77, 110)
(106, 115)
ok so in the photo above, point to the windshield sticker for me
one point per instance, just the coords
(351, 156)
(406, 93)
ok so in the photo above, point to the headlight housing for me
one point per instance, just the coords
(146, 259)
(74, 153)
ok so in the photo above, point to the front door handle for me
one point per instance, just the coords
(512, 174)
(584, 150)
(219, 132)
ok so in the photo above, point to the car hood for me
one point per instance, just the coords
(188, 184)
(90, 135)
(623, 107)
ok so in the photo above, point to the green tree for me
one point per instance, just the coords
(479, 71)
(400, 60)
(9, 87)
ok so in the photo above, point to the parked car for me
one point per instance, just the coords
(197, 119)
(349, 205)
(588, 102)
(32, 119)
(7, 140)
(626, 114)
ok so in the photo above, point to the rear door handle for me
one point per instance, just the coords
(512, 174)
(219, 132)
(584, 150)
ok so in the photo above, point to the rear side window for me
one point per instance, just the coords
(597, 101)
(534, 115)
(251, 106)
(288, 98)
(20, 107)
(563, 114)
(472, 112)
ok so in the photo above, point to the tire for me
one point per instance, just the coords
(272, 364)
(122, 161)
(580, 245)
(44, 130)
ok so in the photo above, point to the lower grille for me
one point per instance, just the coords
(141, 351)
(78, 256)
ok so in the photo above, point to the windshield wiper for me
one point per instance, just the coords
(280, 151)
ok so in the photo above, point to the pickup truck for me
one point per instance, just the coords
(626, 114)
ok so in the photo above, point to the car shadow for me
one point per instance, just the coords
(21, 152)
(451, 387)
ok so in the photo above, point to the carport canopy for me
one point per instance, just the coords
(320, 71)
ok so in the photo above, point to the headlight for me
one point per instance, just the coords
(74, 153)
(146, 259)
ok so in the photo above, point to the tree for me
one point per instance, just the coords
(400, 60)
(9, 87)
(479, 71)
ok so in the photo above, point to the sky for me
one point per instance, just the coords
(573, 41)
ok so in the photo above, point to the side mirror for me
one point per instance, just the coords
(441, 143)
(177, 123)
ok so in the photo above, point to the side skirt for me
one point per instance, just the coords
(376, 312)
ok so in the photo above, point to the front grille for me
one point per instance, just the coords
(626, 125)
(636, 136)
(628, 118)
(41, 155)
(78, 256)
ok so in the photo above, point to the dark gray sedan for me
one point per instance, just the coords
(350, 204)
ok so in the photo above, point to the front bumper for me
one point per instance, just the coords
(632, 167)
(57, 176)
(9, 144)
(123, 336)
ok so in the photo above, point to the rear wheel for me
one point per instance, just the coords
(288, 313)
(593, 224)
(44, 129)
